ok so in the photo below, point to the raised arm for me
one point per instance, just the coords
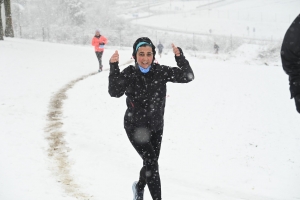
(116, 86)
(183, 73)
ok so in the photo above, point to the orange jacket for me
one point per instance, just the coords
(97, 41)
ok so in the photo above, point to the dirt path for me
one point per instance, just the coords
(58, 149)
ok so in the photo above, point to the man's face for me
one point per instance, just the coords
(144, 56)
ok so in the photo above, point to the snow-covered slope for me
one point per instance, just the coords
(258, 19)
(232, 133)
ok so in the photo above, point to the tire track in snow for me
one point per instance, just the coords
(58, 149)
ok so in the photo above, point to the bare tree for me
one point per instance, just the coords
(1, 25)
(9, 31)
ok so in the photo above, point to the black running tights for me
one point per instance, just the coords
(147, 144)
(99, 56)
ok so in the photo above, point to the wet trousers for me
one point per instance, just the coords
(147, 144)
(99, 57)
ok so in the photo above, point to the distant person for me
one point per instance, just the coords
(216, 48)
(290, 57)
(145, 86)
(98, 42)
(160, 49)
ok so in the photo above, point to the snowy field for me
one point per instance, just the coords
(232, 133)
(267, 19)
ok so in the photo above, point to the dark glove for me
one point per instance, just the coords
(297, 102)
(102, 43)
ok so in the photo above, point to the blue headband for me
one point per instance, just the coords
(140, 44)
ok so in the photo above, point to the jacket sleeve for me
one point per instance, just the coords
(94, 41)
(181, 74)
(105, 40)
(290, 56)
(117, 81)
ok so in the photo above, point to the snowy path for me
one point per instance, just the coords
(58, 149)
(31, 73)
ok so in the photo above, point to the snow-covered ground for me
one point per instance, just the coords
(267, 19)
(232, 133)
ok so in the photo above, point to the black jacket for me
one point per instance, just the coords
(290, 56)
(146, 93)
